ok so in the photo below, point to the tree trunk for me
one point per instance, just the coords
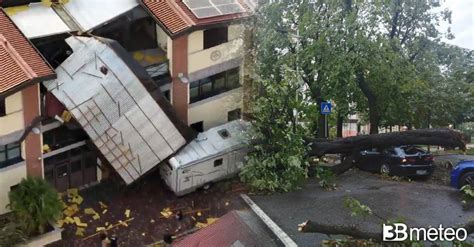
(353, 231)
(316, 94)
(248, 87)
(310, 226)
(340, 123)
(374, 116)
(321, 122)
(440, 137)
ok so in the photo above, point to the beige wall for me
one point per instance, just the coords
(213, 111)
(169, 53)
(215, 55)
(236, 31)
(162, 38)
(9, 177)
(13, 121)
(196, 41)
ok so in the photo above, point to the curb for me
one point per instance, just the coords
(284, 238)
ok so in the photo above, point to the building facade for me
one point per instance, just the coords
(205, 57)
(22, 69)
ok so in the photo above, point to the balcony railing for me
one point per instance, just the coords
(218, 54)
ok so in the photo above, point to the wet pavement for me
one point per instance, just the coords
(454, 158)
(419, 204)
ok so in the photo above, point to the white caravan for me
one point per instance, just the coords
(214, 155)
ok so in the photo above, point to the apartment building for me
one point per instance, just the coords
(192, 51)
(22, 69)
(203, 42)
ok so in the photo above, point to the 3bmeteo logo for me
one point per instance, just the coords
(400, 232)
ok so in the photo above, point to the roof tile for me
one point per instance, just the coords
(20, 61)
(175, 16)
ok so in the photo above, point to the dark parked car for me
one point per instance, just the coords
(463, 173)
(409, 161)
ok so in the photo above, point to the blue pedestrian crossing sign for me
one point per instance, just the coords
(326, 108)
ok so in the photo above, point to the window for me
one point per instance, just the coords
(216, 36)
(10, 154)
(234, 115)
(214, 85)
(3, 109)
(199, 126)
(167, 94)
(218, 162)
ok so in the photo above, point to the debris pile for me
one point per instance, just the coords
(72, 215)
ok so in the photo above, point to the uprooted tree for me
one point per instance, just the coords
(358, 209)
(280, 134)
(352, 145)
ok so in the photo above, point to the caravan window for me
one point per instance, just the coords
(218, 162)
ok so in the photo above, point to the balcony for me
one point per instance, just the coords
(225, 52)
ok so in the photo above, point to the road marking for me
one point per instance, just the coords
(287, 241)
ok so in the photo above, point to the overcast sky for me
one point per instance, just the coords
(462, 22)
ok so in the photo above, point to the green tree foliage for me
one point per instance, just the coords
(382, 59)
(308, 37)
(278, 162)
(34, 204)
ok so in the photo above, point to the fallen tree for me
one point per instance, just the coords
(437, 137)
(353, 231)
(350, 146)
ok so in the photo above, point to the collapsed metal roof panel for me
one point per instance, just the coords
(89, 14)
(106, 96)
(37, 20)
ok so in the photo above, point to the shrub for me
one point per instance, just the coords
(278, 162)
(35, 203)
(11, 234)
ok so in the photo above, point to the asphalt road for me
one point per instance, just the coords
(454, 158)
(419, 204)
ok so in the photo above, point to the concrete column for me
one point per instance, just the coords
(180, 90)
(33, 142)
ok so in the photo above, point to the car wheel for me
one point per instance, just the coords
(467, 178)
(385, 169)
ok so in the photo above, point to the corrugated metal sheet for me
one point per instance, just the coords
(89, 14)
(211, 143)
(38, 20)
(114, 108)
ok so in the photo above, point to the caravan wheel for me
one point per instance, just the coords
(207, 186)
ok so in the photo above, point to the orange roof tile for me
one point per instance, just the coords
(20, 62)
(175, 16)
(168, 15)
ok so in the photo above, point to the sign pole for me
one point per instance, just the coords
(326, 134)
(326, 109)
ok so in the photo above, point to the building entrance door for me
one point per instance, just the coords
(71, 169)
